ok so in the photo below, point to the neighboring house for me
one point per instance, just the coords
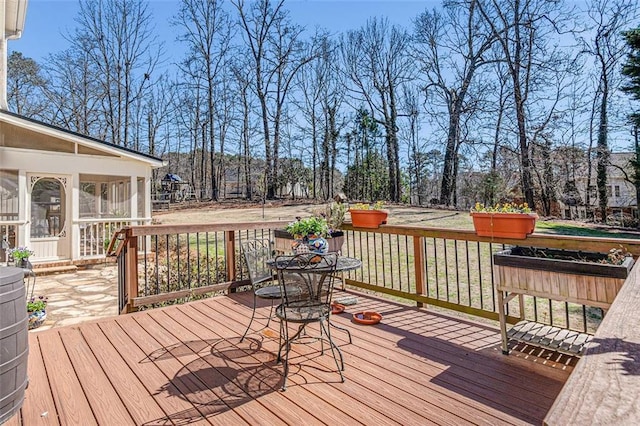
(63, 194)
(621, 193)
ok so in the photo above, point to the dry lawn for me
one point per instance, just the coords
(220, 213)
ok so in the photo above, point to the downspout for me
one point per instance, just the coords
(3, 49)
(3, 65)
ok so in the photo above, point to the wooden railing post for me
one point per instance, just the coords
(418, 263)
(230, 255)
(131, 269)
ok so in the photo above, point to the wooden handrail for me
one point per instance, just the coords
(168, 229)
(598, 244)
(604, 387)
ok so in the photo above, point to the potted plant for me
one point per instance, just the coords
(37, 311)
(503, 220)
(308, 234)
(307, 227)
(333, 215)
(21, 256)
(368, 216)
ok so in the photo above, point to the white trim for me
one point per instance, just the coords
(61, 134)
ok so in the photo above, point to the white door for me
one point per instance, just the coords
(49, 210)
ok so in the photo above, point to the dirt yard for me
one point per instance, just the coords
(219, 213)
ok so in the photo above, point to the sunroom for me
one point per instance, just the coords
(62, 194)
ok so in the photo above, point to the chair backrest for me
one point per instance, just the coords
(256, 253)
(306, 278)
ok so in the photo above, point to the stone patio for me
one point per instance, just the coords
(83, 295)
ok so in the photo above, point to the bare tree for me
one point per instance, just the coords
(25, 86)
(451, 46)
(377, 63)
(123, 56)
(523, 29)
(277, 53)
(208, 30)
(242, 76)
(321, 96)
(415, 154)
(74, 96)
(156, 110)
(608, 19)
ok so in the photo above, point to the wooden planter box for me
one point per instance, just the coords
(284, 240)
(578, 281)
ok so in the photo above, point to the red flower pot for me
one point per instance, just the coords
(504, 225)
(368, 218)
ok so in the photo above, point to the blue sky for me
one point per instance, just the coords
(48, 20)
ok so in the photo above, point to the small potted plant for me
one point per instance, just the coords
(334, 213)
(506, 220)
(37, 311)
(309, 234)
(20, 255)
(302, 229)
(368, 215)
(308, 227)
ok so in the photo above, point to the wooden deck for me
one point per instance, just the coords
(185, 365)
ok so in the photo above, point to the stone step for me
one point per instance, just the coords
(57, 269)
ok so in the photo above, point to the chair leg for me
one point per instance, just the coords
(270, 314)
(322, 340)
(253, 314)
(286, 369)
(284, 335)
(346, 330)
(334, 349)
(280, 341)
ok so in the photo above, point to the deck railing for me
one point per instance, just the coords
(453, 269)
(8, 238)
(175, 263)
(95, 234)
(443, 267)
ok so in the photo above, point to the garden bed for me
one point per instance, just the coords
(565, 261)
(568, 276)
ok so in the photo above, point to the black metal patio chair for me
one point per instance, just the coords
(307, 282)
(256, 253)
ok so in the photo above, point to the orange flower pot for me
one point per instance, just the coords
(504, 225)
(367, 317)
(368, 218)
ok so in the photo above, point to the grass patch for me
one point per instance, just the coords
(562, 228)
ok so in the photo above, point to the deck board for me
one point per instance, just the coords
(355, 392)
(185, 364)
(70, 399)
(374, 384)
(140, 381)
(414, 369)
(105, 403)
(315, 410)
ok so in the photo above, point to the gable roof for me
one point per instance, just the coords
(89, 143)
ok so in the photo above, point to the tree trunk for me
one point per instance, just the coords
(602, 155)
